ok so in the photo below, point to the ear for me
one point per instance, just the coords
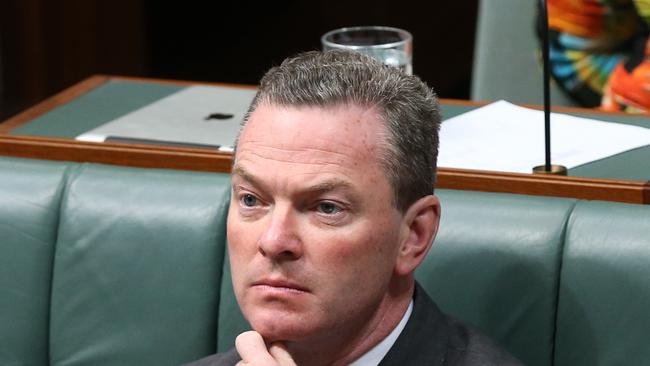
(419, 228)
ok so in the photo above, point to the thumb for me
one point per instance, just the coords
(252, 350)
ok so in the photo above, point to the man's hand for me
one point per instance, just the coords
(252, 350)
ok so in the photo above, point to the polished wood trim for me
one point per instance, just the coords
(567, 109)
(135, 155)
(149, 156)
(465, 103)
(48, 104)
(545, 185)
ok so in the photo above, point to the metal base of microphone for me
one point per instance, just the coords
(555, 170)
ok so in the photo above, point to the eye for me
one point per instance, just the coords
(249, 200)
(328, 208)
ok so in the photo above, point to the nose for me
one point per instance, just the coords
(280, 241)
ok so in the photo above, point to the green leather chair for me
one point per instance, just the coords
(603, 311)
(106, 265)
(30, 196)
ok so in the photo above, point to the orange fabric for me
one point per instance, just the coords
(628, 90)
(582, 18)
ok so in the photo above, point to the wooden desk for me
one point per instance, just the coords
(63, 147)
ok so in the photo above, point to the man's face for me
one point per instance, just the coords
(313, 234)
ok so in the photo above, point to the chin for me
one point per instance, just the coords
(281, 327)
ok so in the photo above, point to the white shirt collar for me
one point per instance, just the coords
(377, 353)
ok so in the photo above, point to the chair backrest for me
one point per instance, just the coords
(105, 265)
(137, 264)
(506, 58)
(30, 196)
(604, 299)
(495, 264)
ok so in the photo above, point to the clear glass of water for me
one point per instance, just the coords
(391, 46)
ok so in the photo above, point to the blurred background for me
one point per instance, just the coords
(48, 45)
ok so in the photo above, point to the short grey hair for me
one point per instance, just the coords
(408, 107)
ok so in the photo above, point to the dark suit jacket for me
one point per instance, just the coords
(429, 338)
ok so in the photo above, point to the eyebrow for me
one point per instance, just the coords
(245, 175)
(321, 187)
(329, 185)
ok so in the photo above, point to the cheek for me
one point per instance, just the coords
(239, 248)
(241, 239)
(239, 233)
(239, 255)
(369, 250)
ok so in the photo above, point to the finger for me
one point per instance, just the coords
(281, 355)
(252, 349)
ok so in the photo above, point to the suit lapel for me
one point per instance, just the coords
(425, 338)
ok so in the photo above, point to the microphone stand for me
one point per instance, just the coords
(547, 168)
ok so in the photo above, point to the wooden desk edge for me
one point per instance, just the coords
(206, 160)
(570, 187)
(147, 156)
(135, 155)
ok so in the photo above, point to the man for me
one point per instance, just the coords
(331, 212)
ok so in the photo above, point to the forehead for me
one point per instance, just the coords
(343, 134)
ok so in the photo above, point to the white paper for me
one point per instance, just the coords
(504, 137)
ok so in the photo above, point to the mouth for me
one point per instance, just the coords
(279, 285)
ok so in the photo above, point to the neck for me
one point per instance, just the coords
(343, 345)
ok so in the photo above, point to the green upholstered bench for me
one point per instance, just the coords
(106, 265)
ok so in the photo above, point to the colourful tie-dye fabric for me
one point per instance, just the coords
(595, 42)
